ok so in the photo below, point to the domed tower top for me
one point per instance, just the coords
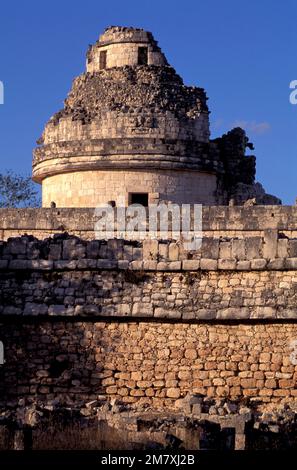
(119, 46)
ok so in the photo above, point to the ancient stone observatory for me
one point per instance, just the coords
(132, 132)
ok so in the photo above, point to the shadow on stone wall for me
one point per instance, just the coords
(47, 365)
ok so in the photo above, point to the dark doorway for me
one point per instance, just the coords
(139, 198)
(142, 56)
(102, 60)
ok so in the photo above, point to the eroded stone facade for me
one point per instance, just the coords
(131, 112)
(124, 331)
(146, 362)
(121, 45)
(89, 188)
(150, 322)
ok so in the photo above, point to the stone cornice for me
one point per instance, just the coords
(116, 154)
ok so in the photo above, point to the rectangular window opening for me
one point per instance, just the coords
(142, 56)
(138, 198)
(102, 60)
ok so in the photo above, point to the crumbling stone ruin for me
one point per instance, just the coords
(130, 127)
(180, 348)
(118, 331)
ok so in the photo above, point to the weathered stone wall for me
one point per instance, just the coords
(185, 295)
(121, 45)
(149, 321)
(92, 188)
(154, 363)
(121, 54)
(236, 279)
(119, 125)
(217, 222)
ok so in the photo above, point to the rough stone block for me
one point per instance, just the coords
(243, 265)
(142, 310)
(292, 248)
(205, 314)
(35, 309)
(136, 265)
(174, 265)
(150, 249)
(264, 312)
(163, 266)
(228, 264)
(276, 264)
(208, 264)
(282, 248)
(137, 254)
(86, 264)
(225, 250)
(210, 248)
(238, 249)
(17, 264)
(291, 263)
(61, 265)
(93, 249)
(124, 309)
(173, 252)
(91, 310)
(191, 264)
(163, 250)
(41, 264)
(253, 247)
(127, 253)
(233, 313)
(17, 247)
(73, 250)
(258, 264)
(115, 249)
(123, 264)
(55, 252)
(165, 312)
(107, 264)
(173, 393)
(57, 310)
(270, 244)
(150, 265)
(287, 313)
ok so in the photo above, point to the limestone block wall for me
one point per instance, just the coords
(71, 289)
(91, 188)
(118, 125)
(68, 276)
(150, 322)
(121, 45)
(145, 362)
(218, 222)
(121, 54)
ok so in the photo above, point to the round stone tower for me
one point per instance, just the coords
(130, 131)
(118, 47)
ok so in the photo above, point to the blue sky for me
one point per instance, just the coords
(242, 53)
